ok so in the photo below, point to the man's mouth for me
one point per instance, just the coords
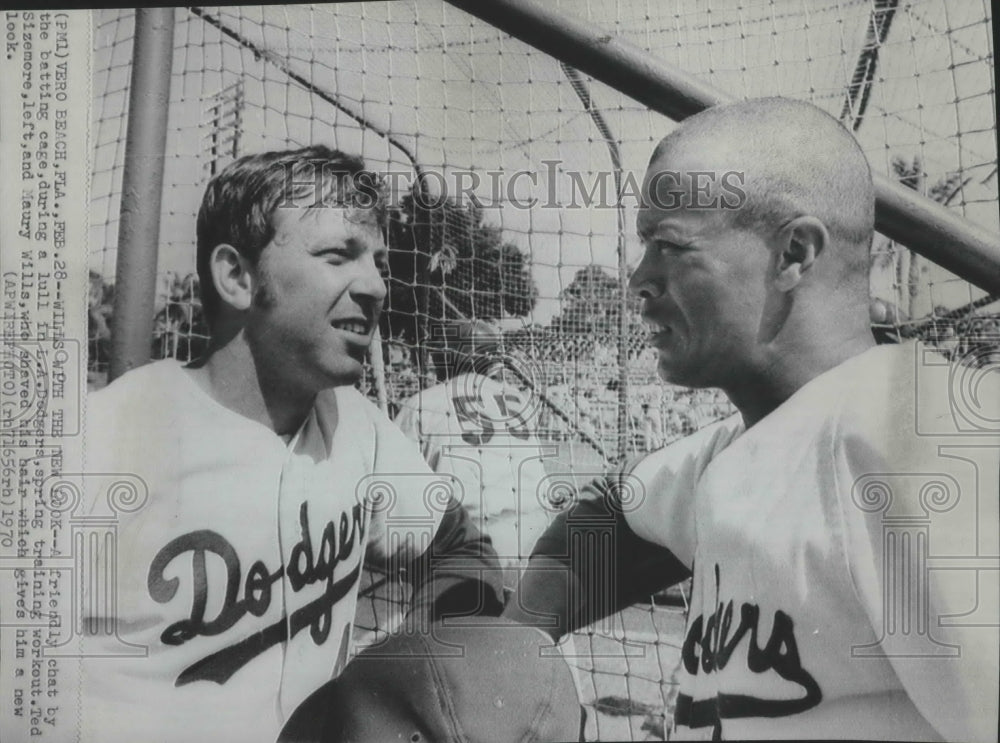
(660, 334)
(655, 327)
(354, 325)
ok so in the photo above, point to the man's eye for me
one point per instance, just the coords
(666, 247)
(333, 257)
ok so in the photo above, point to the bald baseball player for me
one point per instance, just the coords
(266, 481)
(480, 429)
(841, 530)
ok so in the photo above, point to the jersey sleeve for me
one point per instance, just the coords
(600, 556)
(405, 500)
(423, 533)
(660, 487)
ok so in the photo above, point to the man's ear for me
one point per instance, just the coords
(232, 276)
(801, 242)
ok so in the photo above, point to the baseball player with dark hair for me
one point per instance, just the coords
(270, 480)
(841, 530)
(480, 429)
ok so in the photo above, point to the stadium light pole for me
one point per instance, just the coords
(956, 244)
(860, 89)
(142, 188)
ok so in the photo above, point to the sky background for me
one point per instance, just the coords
(457, 94)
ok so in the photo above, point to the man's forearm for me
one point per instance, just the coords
(460, 574)
(587, 565)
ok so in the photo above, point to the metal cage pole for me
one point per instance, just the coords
(142, 188)
(962, 247)
(582, 91)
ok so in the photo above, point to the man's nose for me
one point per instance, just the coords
(641, 283)
(370, 282)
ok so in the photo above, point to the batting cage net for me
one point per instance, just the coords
(504, 168)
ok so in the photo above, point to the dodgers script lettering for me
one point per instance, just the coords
(709, 647)
(252, 594)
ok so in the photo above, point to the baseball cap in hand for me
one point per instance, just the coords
(486, 681)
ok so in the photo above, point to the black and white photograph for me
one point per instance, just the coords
(447, 371)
